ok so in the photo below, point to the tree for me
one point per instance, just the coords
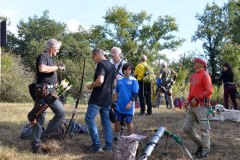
(231, 54)
(212, 31)
(233, 11)
(15, 79)
(135, 34)
(33, 34)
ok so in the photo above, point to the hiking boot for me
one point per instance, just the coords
(202, 156)
(95, 149)
(39, 150)
(198, 151)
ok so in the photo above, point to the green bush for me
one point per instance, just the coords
(14, 80)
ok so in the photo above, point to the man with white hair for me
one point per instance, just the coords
(200, 90)
(47, 75)
(145, 89)
(117, 61)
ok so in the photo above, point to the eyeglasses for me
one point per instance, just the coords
(94, 56)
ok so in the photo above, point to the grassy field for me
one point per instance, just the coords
(225, 136)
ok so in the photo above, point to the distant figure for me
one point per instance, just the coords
(145, 89)
(200, 90)
(100, 101)
(227, 77)
(167, 82)
(159, 93)
(125, 97)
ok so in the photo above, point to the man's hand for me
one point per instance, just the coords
(186, 103)
(193, 102)
(89, 87)
(129, 105)
(113, 106)
(61, 66)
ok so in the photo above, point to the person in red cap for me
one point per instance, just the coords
(200, 90)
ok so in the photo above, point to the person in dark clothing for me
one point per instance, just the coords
(47, 75)
(100, 101)
(227, 77)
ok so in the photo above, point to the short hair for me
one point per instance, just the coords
(126, 66)
(144, 58)
(97, 50)
(117, 49)
(229, 68)
(52, 43)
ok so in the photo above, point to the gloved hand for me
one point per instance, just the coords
(61, 66)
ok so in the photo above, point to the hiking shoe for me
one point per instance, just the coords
(202, 156)
(198, 151)
(39, 150)
(123, 128)
(95, 149)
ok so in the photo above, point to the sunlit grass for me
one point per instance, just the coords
(225, 136)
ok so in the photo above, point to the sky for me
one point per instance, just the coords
(91, 12)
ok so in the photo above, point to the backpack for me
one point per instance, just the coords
(26, 131)
(179, 102)
(125, 147)
(149, 74)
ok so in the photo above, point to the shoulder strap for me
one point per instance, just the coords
(118, 68)
(144, 66)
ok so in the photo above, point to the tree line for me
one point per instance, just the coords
(134, 33)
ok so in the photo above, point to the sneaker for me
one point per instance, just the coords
(107, 149)
(123, 128)
(142, 113)
(95, 149)
(149, 114)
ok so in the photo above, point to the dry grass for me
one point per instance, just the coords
(225, 136)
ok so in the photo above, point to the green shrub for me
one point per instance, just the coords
(14, 80)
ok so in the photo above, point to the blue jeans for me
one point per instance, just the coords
(92, 112)
(58, 110)
(159, 97)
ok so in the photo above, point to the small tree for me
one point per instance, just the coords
(212, 30)
(15, 80)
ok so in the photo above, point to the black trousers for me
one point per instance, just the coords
(144, 93)
(230, 90)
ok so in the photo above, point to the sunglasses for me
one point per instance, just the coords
(94, 56)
